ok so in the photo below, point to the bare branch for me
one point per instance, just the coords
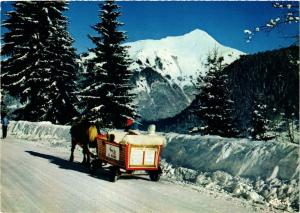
(290, 16)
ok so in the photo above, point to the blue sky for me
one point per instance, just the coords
(225, 21)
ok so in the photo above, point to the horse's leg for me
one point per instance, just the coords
(86, 154)
(72, 150)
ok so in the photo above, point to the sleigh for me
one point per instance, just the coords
(127, 153)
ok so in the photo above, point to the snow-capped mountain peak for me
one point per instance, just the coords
(165, 70)
(181, 58)
(196, 36)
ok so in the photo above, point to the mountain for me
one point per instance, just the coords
(165, 71)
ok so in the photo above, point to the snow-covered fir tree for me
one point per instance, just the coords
(63, 71)
(107, 93)
(260, 122)
(39, 65)
(215, 107)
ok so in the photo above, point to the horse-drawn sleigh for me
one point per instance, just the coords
(125, 153)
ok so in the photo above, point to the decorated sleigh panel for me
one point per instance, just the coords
(131, 152)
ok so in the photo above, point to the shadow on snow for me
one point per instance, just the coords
(101, 173)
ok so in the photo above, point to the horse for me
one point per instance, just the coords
(84, 134)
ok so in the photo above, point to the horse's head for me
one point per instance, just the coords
(93, 132)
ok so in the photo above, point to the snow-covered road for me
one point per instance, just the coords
(40, 179)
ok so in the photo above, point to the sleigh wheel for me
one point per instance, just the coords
(155, 175)
(114, 173)
(95, 164)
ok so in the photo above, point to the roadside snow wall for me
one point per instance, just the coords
(55, 135)
(238, 157)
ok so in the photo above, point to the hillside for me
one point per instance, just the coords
(273, 75)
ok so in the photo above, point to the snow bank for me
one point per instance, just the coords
(261, 172)
(238, 157)
(283, 195)
(55, 135)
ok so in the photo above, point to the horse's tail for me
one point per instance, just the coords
(93, 132)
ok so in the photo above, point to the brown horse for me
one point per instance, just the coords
(83, 134)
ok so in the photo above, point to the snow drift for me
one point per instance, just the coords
(44, 132)
(238, 157)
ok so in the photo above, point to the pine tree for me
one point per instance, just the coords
(107, 93)
(19, 46)
(261, 125)
(215, 106)
(63, 69)
(40, 65)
